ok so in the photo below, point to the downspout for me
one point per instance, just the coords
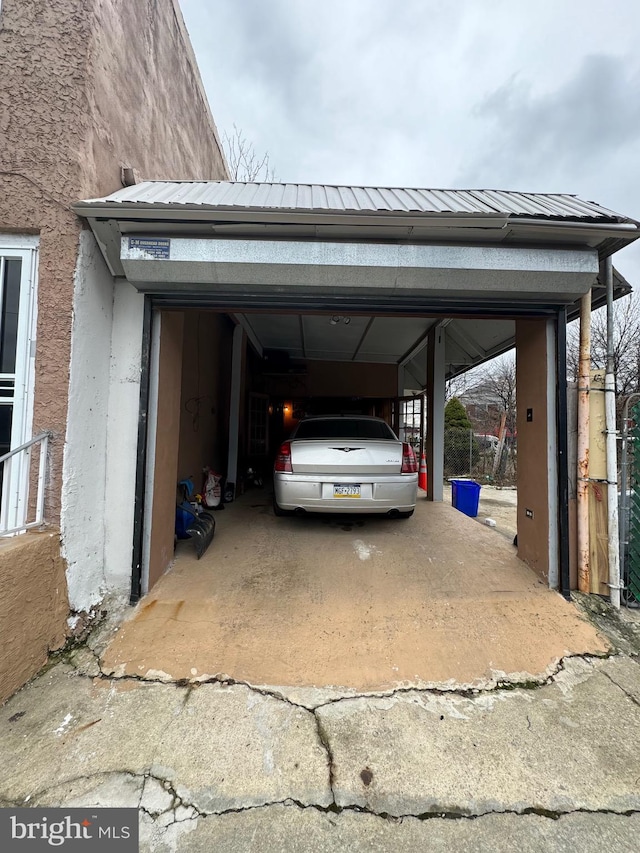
(612, 463)
(582, 490)
(563, 453)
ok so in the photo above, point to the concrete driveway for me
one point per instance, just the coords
(216, 765)
(350, 605)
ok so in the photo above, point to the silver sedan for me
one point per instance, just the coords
(345, 464)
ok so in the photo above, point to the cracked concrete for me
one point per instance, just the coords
(232, 767)
(288, 828)
(537, 749)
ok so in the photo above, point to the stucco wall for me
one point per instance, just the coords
(533, 472)
(87, 86)
(148, 107)
(83, 493)
(33, 606)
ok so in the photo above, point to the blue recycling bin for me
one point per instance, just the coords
(465, 496)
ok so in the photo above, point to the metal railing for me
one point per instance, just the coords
(15, 471)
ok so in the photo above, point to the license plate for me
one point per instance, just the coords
(350, 491)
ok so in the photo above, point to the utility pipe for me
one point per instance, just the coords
(582, 490)
(612, 461)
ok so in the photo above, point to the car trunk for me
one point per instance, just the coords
(346, 456)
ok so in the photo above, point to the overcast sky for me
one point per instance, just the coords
(537, 96)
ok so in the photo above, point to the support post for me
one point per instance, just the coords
(435, 413)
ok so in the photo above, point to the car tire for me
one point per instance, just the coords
(407, 514)
(278, 511)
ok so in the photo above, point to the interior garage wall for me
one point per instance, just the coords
(533, 439)
(338, 379)
(166, 443)
(204, 403)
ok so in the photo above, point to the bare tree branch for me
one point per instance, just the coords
(626, 344)
(244, 163)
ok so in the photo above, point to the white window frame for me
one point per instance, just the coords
(13, 511)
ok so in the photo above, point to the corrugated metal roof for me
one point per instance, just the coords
(320, 198)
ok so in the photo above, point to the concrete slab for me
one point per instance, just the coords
(66, 738)
(365, 604)
(234, 748)
(625, 672)
(572, 745)
(289, 829)
(213, 767)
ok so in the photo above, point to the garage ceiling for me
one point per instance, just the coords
(378, 339)
(339, 337)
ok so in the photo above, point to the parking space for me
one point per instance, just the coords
(362, 603)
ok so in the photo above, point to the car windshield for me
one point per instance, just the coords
(344, 428)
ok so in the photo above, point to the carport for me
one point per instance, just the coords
(311, 295)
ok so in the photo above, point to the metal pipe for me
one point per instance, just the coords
(563, 452)
(612, 462)
(582, 491)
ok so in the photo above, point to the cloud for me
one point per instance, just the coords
(531, 140)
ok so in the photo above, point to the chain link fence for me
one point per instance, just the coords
(481, 456)
(630, 507)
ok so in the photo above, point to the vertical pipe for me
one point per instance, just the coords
(584, 571)
(42, 479)
(612, 462)
(563, 452)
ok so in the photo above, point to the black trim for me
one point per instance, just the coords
(250, 302)
(563, 452)
(141, 460)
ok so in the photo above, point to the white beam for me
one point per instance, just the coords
(197, 264)
(435, 413)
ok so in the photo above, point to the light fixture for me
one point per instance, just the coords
(339, 318)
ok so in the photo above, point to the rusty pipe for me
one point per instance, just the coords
(582, 491)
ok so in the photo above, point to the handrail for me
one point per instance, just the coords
(14, 505)
(25, 445)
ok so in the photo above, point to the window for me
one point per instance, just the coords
(344, 428)
(18, 258)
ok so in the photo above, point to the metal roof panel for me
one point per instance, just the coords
(239, 195)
